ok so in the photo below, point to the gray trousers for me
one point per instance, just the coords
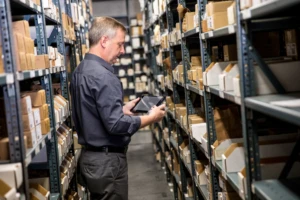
(105, 175)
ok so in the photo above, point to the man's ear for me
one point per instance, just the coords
(103, 41)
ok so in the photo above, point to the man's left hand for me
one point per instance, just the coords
(128, 106)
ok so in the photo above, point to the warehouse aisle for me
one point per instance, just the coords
(147, 180)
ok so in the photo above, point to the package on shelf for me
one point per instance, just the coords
(21, 27)
(216, 15)
(37, 191)
(183, 146)
(230, 52)
(244, 4)
(45, 125)
(236, 86)
(204, 142)
(42, 61)
(219, 147)
(200, 171)
(169, 103)
(156, 37)
(292, 43)
(226, 77)
(178, 73)
(38, 98)
(12, 174)
(136, 31)
(270, 168)
(231, 14)
(64, 183)
(210, 75)
(188, 21)
(74, 11)
(284, 72)
(190, 188)
(228, 196)
(63, 102)
(233, 158)
(180, 114)
(164, 41)
(7, 192)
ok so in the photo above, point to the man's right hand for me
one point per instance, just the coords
(157, 112)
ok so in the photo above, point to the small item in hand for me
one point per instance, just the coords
(146, 103)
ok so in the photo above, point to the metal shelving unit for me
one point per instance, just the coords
(11, 80)
(269, 15)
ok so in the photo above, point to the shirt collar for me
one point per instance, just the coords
(102, 62)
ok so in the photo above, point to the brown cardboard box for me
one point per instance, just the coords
(21, 27)
(217, 20)
(231, 13)
(4, 149)
(267, 44)
(42, 61)
(38, 191)
(28, 61)
(215, 7)
(204, 26)
(45, 126)
(28, 121)
(196, 61)
(189, 20)
(29, 45)
(230, 52)
(26, 104)
(19, 42)
(38, 98)
(22, 61)
(195, 120)
(31, 138)
(33, 63)
(292, 43)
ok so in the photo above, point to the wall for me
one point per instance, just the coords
(115, 8)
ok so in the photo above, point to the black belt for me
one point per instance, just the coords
(106, 149)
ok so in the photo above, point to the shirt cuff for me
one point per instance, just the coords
(135, 126)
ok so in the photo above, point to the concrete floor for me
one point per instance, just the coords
(147, 180)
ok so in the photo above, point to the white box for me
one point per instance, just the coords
(26, 104)
(211, 76)
(236, 86)
(38, 132)
(204, 142)
(198, 130)
(12, 174)
(136, 42)
(233, 160)
(36, 116)
(202, 179)
(226, 78)
(284, 72)
(231, 14)
(7, 192)
(218, 148)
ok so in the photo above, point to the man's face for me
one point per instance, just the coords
(116, 46)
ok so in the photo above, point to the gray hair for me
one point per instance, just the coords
(103, 26)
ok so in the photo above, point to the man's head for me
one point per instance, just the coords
(107, 37)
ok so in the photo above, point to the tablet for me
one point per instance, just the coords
(146, 102)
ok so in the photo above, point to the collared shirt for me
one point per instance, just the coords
(97, 105)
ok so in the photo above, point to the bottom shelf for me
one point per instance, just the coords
(277, 189)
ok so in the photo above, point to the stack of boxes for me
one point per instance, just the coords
(11, 178)
(68, 27)
(217, 16)
(185, 151)
(50, 9)
(195, 72)
(180, 113)
(61, 109)
(178, 74)
(175, 35)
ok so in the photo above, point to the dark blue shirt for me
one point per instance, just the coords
(97, 105)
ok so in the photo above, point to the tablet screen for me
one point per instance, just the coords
(146, 103)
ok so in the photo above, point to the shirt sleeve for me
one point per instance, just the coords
(107, 92)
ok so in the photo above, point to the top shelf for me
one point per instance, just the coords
(267, 8)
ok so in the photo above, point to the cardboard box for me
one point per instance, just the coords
(198, 131)
(38, 132)
(45, 124)
(19, 42)
(38, 191)
(244, 4)
(217, 20)
(216, 7)
(4, 149)
(196, 60)
(31, 138)
(12, 174)
(189, 16)
(236, 86)
(42, 61)
(21, 27)
(211, 74)
(230, 52)
(204, 26)
(226, 78)
(292, 43)
(26, 104)
(38, 98)
(29, 45)
(231, 14)
(28, 121)
(36, 116)
(7, 192)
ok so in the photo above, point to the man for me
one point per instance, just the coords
(103, 124)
